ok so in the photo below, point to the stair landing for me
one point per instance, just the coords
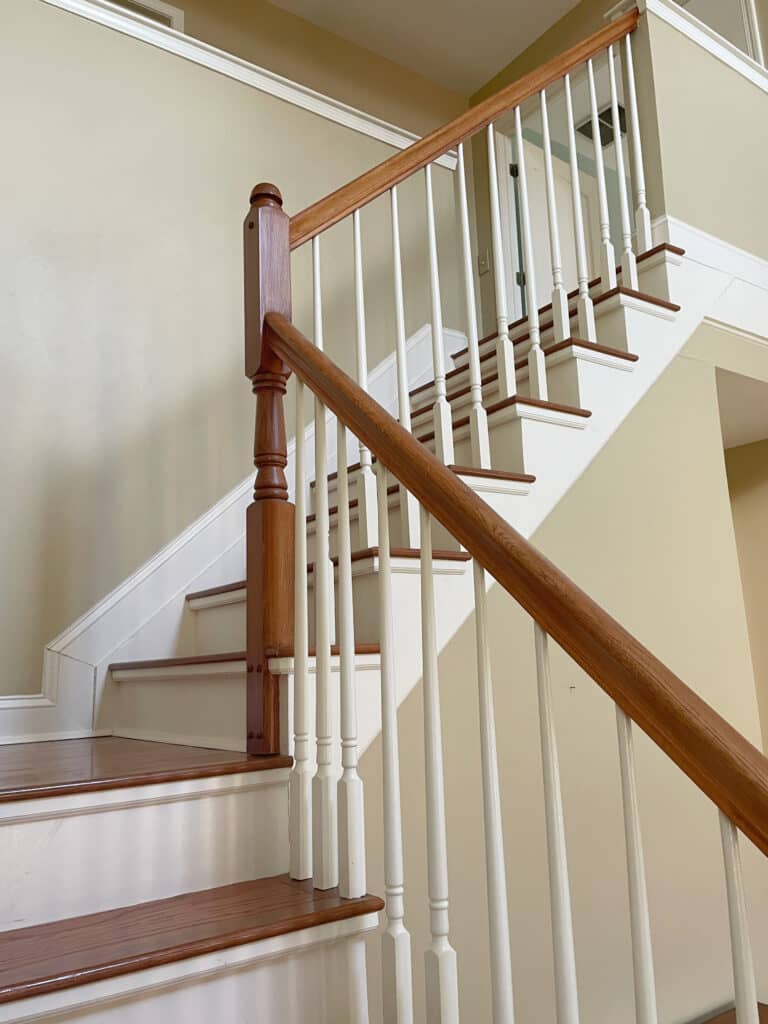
(63, 767)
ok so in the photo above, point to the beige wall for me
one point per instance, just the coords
(123, 406)
(647, 531)
(747, 468)
(291, 46)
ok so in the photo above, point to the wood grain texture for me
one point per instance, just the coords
(60, 955)
(62, 767)
(729, 1017)
(719, 760)
(339, 204)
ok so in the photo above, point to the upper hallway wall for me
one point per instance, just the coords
(123, 406)
(289, 45)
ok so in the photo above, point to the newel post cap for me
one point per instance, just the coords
(266, 194)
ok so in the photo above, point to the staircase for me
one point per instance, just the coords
(209, 857)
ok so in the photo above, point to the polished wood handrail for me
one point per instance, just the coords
(374, 183)
(719, 760)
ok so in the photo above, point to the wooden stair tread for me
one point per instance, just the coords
(229, 656)
(514, 400)
(729, 1017)
(63, 767)
(62, 954)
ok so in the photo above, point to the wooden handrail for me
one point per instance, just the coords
(719, 760)
(369, 186)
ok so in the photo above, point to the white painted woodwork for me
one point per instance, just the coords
(566, 993)
(496, 877)
(505, 356)
(741, 945)
(537, 374)
(584, 307)
(366, 484)
(441, 410)
(409, 509)
(325, 863)
(639, 917)
(560, 312)
(441, 972)
(351, 820)
(478, 421)
(65, 856)
(642, 213)
(397, 972)
(628, 261)
(300, 822)
(226, 985)
(607, 253)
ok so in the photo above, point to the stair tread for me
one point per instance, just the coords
(729, 1017)
(229, 656)
(571, 410)
(64, 767)
(62, 954)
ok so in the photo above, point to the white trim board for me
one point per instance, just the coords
(168, 39)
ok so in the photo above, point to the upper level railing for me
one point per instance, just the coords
(326, 827)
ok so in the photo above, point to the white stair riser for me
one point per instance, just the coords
(317, 974)
(65, 856)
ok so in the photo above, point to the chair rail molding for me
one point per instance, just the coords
(120, 20)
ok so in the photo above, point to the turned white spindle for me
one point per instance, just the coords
(607, 254)
(350, 793)
(300, 802)
(560, 315)
(642, 213)
(498, 908)
(639, 917)
(741, 946)
(566, 993)
(584, 307)
(628, 261)
(537, 373)
(366, 483)
(409, 507)
(325, 865)
(505, 355)
(397, 979)
(442, 982)
(441, 410)
(478, 421)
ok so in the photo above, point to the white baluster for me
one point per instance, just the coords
(478, 421)
(537, 373)
(559, 889)
(442, 983)
(640, 923)
(325, 863)
(607, 254)
(397, 976)
(584, 307)
(351, 818)
(300, 801)
(409, 507)
(628, 261)
(505, 353)
(642, 213)
(560, 315)
(741, 946)
(498, 908)
(441, 411)
(366, 483)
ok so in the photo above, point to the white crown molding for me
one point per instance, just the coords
(112, 16)
(705, 37)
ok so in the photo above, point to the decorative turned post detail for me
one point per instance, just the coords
(270, 518)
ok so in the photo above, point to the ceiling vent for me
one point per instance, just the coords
(605, 121)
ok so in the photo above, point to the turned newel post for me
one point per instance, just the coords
(270, 518)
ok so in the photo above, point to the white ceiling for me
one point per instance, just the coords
(458, 44)
(743, 408)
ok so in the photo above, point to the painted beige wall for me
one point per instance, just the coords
(123, 406)
(275, 39)
(647, 531)
(747, 468)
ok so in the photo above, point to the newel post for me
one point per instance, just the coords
(270, 518)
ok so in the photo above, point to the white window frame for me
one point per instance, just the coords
(174, 14)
